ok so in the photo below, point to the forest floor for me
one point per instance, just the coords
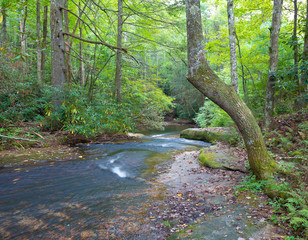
(204, 203)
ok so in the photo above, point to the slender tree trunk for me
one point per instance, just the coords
(38, 42)
(234, 76)
(269, 122)
(295, 45)
(23, 40)
(245, 87)
(209, 84)
(57, 50)
(44, 40)
(304, 75)
(4, 29)
(118, 74)
(67, 46)
(82, 70)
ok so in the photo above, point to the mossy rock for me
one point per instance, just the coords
(208, 159)
(201, 134)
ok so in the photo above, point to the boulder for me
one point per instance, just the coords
(203, 134)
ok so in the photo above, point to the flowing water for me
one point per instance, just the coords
(100, 195)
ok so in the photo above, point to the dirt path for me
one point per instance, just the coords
(202, 203)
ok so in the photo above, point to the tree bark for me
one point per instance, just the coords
(44, 40)
(269, 123)
(38, 42)
(233, 60)
(245, 87)
(304, 74)
(209, 84)
(82, 70)
(23, 39)
(67, 47)
(4, 28)
(118, 74)
(57, 50)
(295, 45)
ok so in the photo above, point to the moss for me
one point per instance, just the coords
(200, 134)
(207, 159)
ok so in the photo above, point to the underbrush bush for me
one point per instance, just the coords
(211, 115)
(21, 100)
(142, 104)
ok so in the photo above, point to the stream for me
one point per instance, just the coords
(101, 195)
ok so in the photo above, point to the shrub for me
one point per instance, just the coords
(210, 115)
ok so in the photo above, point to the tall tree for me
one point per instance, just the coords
(57, 49)
(82, 69)
(67, 46)
(4, 27)
(208, 83)
(234, 76)
(23, 37)
(38, 41)
(304, 75)
(295, 45)
(44, 40)
(269, 122)
(118, 74)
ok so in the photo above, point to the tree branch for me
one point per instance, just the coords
(96, 42)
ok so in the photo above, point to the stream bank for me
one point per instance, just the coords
(231, 215)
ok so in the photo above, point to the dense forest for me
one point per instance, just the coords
(123, 64)
(87, 68)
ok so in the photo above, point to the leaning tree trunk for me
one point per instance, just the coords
(234, 76)
(118, 74)
(57, 50)
(208, 83)
(269, 123)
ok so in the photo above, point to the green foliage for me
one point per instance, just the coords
(142, 104)
(20, 99)
(250, 183)
(297, 207)
(210, 115)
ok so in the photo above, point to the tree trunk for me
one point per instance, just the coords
(57, 50)
(82, 70)
(38, 42)
(4, 29)
(23, 38)
(209, 84)
(233, 60)
(67, 46)
(118, 74)
(304, 75)
(245, 87)
(295, 45)
(269, 123)
(44, 40)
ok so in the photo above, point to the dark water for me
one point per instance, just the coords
(101, 195)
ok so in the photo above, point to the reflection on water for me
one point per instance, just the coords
(99, 196)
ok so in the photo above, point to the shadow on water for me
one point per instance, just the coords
(102, 195)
